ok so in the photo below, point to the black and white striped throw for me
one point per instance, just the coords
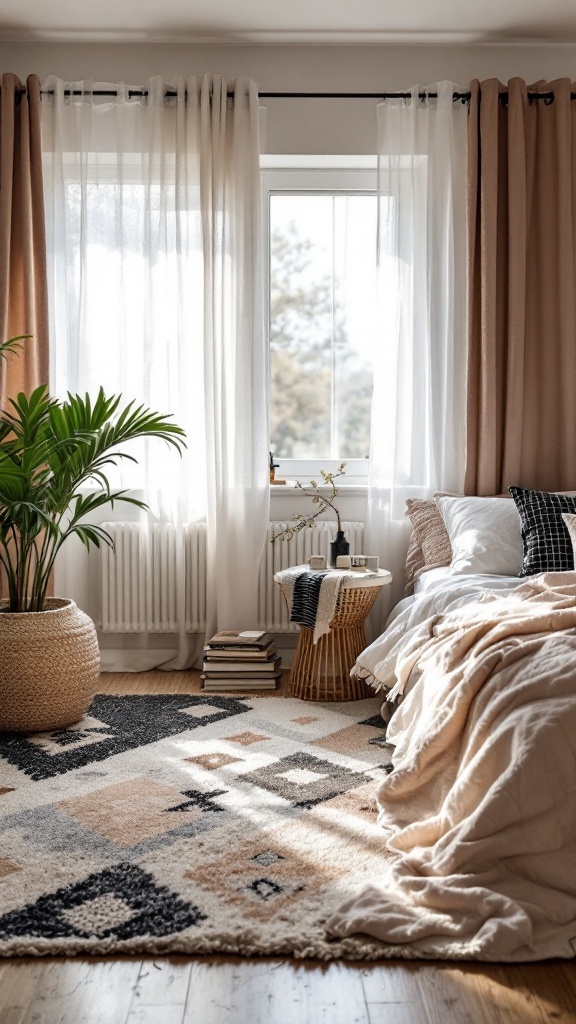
(305, 599)
(547, 544)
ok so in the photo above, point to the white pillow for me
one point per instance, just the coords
(485, 534)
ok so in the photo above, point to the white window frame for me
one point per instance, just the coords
(310, 174)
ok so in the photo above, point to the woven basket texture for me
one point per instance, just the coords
(321, 671)
(49, 667)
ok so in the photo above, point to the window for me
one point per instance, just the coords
(321, 238)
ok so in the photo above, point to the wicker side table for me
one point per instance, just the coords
(321, 671)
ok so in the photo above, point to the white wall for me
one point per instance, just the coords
(299, 126)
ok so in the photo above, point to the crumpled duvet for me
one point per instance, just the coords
(479, 812)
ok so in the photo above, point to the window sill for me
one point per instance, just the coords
(289, 490)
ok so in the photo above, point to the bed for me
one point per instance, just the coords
(477, 671)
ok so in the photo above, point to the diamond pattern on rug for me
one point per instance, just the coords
(132, 812)
(316, 780)
(246, 738)
(212, 761)
(258, 895)
(262, 883)
(283, 721)
(301, 776)
(131, 720)
(360, 740)
(78, 909)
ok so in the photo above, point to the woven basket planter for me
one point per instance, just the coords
(49, 666)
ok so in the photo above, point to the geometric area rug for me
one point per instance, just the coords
(191, 824)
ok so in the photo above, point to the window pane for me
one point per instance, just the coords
(322, 321)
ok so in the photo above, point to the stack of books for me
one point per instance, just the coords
(240, 660)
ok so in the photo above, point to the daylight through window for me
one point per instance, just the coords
(322, 306)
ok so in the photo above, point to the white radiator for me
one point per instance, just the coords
(139, 578)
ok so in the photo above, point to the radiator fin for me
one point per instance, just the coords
(139, 579)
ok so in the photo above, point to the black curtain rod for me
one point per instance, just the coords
(357, 95)
(272, 95)
(548, 97)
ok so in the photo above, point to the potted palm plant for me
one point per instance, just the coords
(49, 451)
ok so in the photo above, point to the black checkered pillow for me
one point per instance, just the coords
(547, 544)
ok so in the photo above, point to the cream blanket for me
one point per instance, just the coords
(481, 806)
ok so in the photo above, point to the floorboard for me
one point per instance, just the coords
(173, 682)
(228, 990)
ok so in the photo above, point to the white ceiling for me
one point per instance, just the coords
(291, 21)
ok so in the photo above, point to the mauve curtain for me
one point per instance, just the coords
(521, 415)
(23, 285)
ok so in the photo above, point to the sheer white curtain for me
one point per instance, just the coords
(153, 218)
(418, 416)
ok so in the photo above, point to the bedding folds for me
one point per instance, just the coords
(479, 812)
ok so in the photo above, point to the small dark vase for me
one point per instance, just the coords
(339, 546)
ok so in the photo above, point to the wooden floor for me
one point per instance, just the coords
(227, 990)
(168, 682)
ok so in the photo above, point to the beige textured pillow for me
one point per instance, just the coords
(414, 564)
(429, 532)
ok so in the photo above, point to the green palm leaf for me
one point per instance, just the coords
(12, 345)
(49, 451)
